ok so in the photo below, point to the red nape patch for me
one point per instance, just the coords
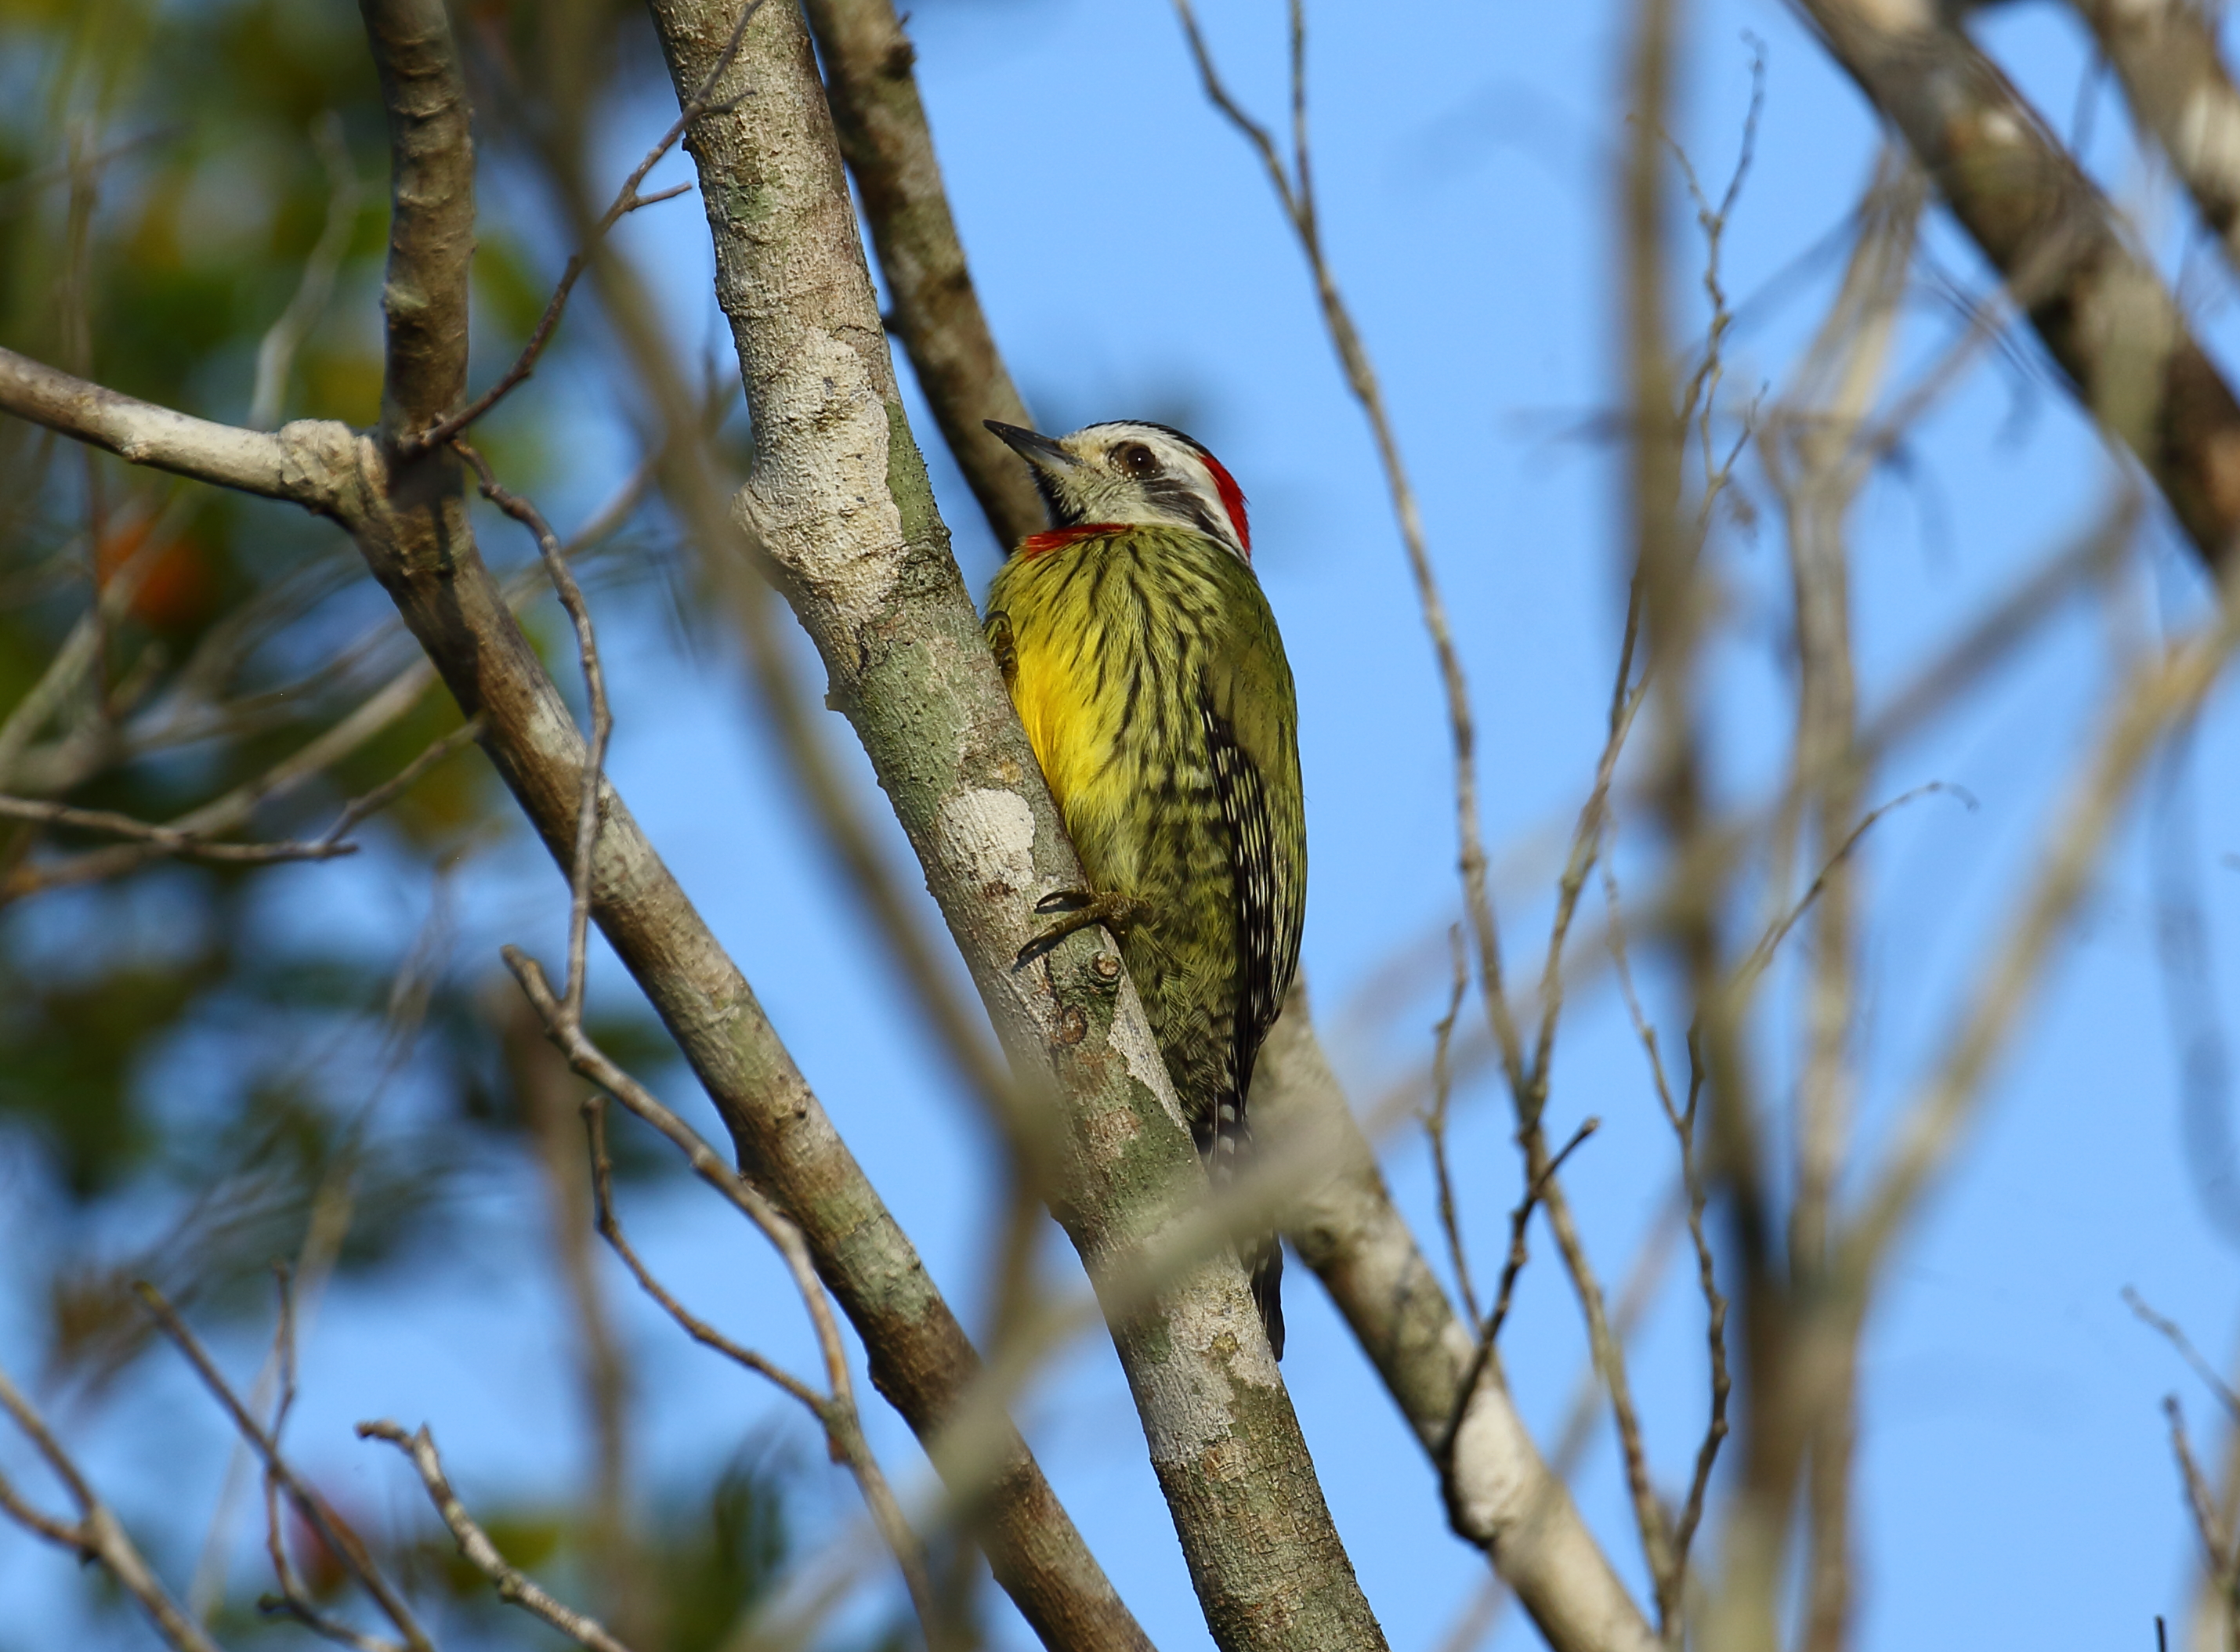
(1232, 499)
(1059, 538)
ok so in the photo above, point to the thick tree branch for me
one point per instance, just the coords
(2166, 53)
(418, 545)
(431, 228)
(840, 499)
(2100, 309)
(881, 124)
(920, 1357)
(1351, 1235)
(1501, 1496)
(306, 464)
(1035, 1552)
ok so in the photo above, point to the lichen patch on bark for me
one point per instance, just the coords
(992, 832)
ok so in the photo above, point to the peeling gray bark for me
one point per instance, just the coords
(839, 498)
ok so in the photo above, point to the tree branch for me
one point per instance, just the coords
(627, 200)
(1353, 1236)
(1501, 1496)
(840, 498)
(1035, 1552)
(168, 840)
(514, 1587)
(418, 543)
(341, 1542)
(95, 1535)
(881, 125)
(307, 463)
(431, 228)
(2166, 54)
(2101, 312)
(834, 1409)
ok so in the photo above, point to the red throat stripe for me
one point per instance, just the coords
(1058, 538)
(1232, 500)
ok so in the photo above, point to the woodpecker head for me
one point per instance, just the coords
(1127, 473)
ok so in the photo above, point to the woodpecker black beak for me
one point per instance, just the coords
(1037, 450)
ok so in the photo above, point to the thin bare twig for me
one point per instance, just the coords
(1296, 197)
(2199, 1498)
(513, 1587)
(837, 1408)
(168, 840)
(1769, 942)
(1434, 1128)
(343, 1542)
(610, 1229)
(1536, 1191)
(2176, 1335)
(294, 1600)
(627, 200)
(2166, 689)
(602, 722)
(1475, 1624)
(95, 1535)
(1294, 190)
(378, 711)
(150, 840)
(1682, 1117)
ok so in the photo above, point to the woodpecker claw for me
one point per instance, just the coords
(1082, 908)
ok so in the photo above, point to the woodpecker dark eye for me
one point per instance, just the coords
(1136, 460)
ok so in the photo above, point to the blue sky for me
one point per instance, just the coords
(2016, 1480)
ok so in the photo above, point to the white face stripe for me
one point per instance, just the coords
(1181, 493)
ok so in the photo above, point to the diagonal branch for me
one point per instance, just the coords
(921, 1359)
(95, 1535)
(417, 543)
(1351, 1233)
(1501, 1496)
(2099, 307)
(513, 1586)
(2165, 52)
(168, 840)
(932, 307)
(840, 498)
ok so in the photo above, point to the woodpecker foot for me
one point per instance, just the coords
(1082, 908)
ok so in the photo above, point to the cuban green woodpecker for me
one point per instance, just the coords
(1145, 664)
